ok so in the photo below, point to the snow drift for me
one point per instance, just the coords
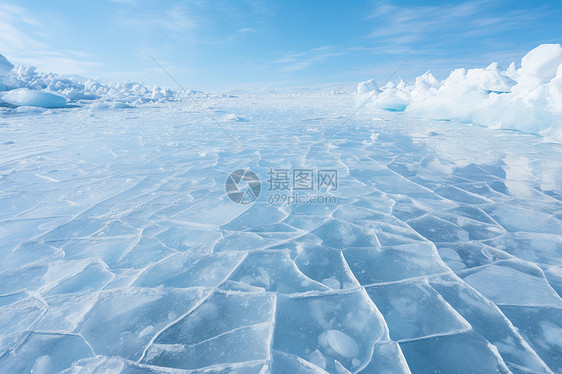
(527, 99)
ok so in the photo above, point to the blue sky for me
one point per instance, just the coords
(223, 45)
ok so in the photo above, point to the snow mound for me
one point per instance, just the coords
(527, 99)
(26, 97)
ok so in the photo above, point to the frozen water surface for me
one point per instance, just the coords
(120, 251)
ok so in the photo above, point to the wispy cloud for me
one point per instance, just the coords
(406, 25)
(173, 20)
(21, 41)
(303, 60)
(13, 20)
(242, 32)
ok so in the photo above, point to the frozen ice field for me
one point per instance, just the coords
(121, 253)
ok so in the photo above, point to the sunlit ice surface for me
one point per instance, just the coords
(439, 250)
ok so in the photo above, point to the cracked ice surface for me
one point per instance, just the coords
(121, 253)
